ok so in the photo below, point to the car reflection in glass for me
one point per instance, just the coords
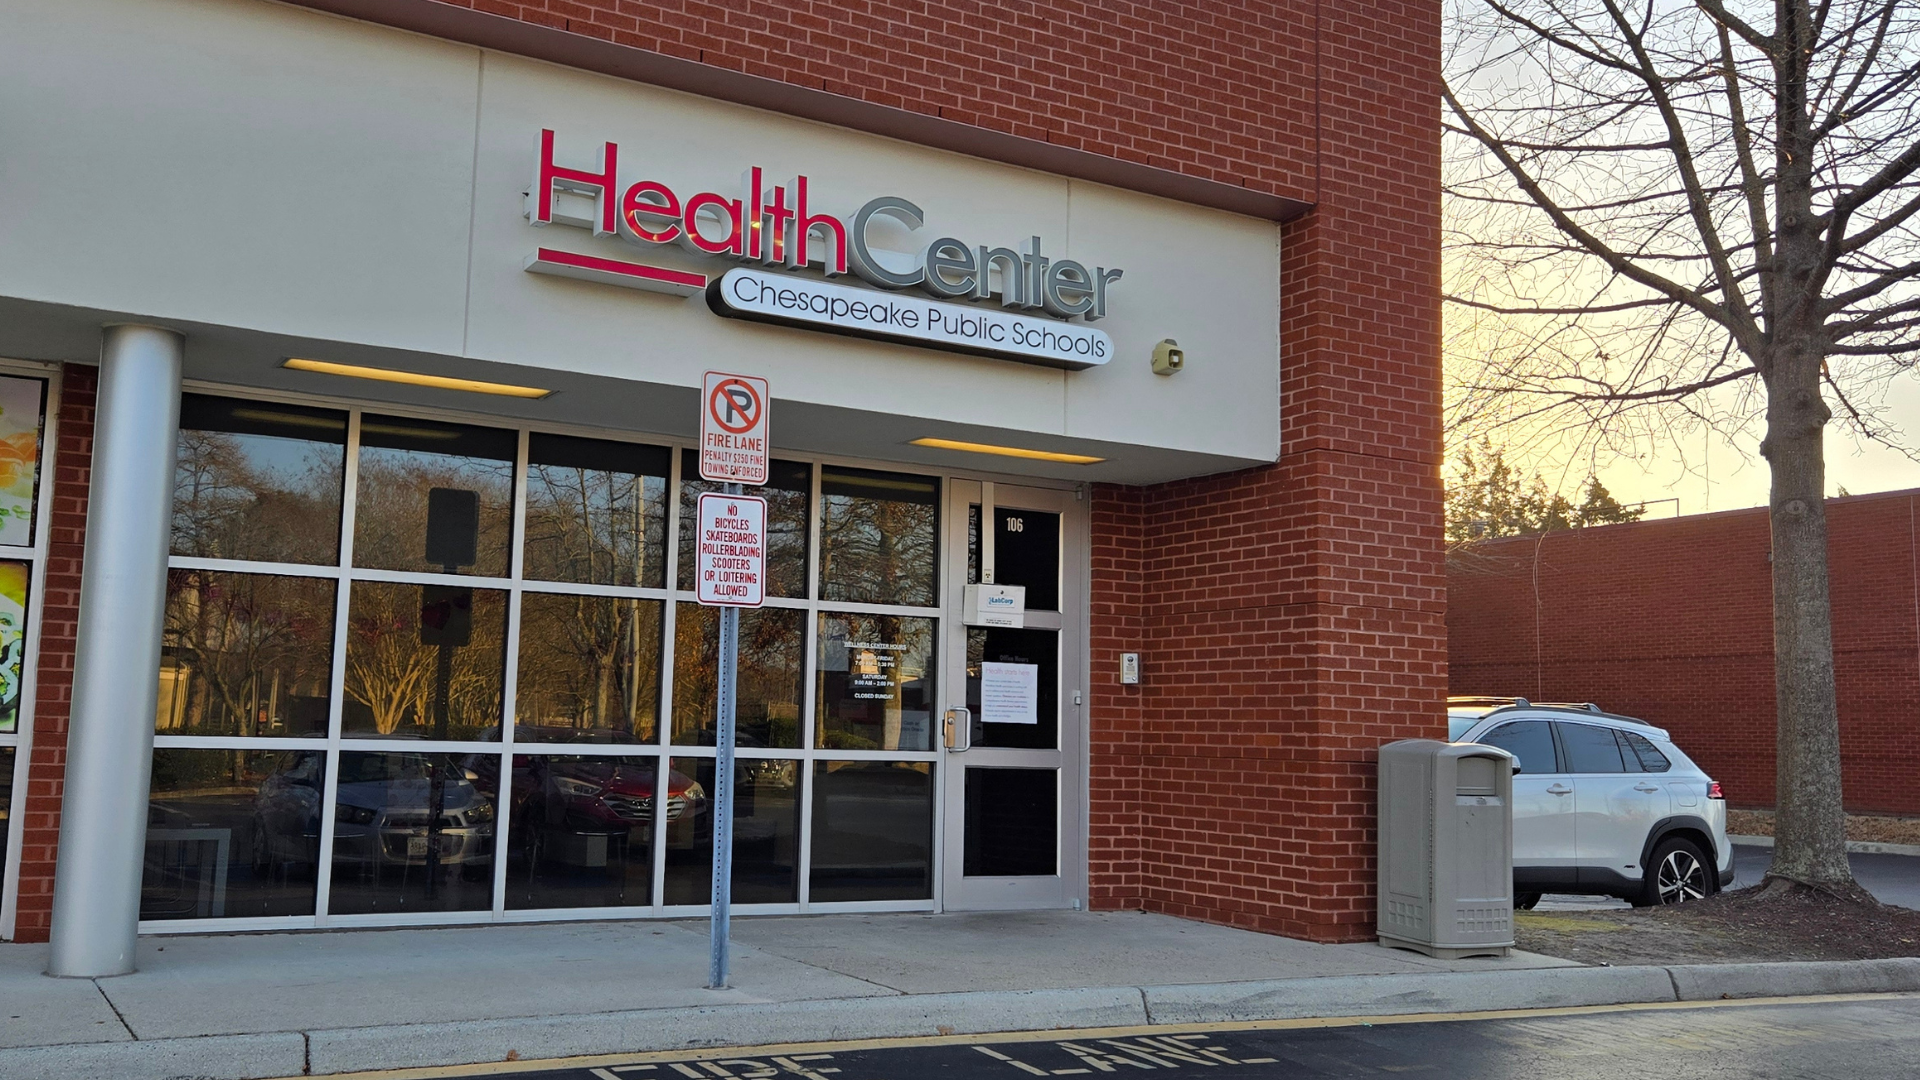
(381, 819)
(601, 797)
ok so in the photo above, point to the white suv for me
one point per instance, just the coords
(1602, 804)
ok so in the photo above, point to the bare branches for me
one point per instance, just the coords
(1652, 202)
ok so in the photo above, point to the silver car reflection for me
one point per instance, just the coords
(381, 813)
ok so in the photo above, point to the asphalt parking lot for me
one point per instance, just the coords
(1859, 1038)
(1894, 879)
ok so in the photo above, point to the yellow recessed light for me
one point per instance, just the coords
(1008, 451)
(438, 382)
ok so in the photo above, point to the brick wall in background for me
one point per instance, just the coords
(1672, 621)
(59, 621)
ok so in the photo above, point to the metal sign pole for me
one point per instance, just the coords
(723, 790)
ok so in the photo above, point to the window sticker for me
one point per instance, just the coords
(14, 576)
(22, 405)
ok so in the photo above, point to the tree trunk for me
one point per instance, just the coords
(1809, 825)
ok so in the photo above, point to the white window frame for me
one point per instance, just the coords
(21, 739)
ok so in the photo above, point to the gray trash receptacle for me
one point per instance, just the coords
(1446, 848)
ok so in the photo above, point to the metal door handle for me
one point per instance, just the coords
(1646, 788)
(1559, 790)
(959, 730)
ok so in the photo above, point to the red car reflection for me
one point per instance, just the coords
(567, 809)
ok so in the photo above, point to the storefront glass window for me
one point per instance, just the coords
(875, 683)
(245, 655)
(596, 511)
(582, 830)
(232, 833)
(768, 688)
(398, 674)
(1013, 686)
(258, 481)
(1026, 552)
(6, 799)
(413, 832)
(23, 410)
(1012, 826)
(589, 669)
(16, 578)
(787, 491)
(425, 661)
(766, 835)
(878, 537)
(433, 497)
(872, 831)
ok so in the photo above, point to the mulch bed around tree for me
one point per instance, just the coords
(1733, 927)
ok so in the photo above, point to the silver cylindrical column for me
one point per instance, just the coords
(103, 810)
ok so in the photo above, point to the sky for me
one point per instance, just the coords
(1735, 475)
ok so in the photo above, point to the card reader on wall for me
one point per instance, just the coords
(994, 605)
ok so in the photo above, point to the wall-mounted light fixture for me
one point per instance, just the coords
(1008, 451)
(411, 378)
(1168, 358)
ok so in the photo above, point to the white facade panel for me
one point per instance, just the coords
(236, 163)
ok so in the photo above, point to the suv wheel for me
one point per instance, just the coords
(1525, 901)
(1676, 874)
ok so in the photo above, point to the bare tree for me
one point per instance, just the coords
(1701, 212)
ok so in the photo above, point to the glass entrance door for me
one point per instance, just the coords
(1014, 834)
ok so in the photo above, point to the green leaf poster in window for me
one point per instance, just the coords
(13, 629)
(22, 403)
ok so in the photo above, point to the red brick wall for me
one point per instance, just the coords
(1290, 618)
(59, 601)
(1672, 621)
(1221, 91)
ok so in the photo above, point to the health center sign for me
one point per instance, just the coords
(1011, 301)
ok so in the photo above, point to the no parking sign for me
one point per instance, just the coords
(733, 429)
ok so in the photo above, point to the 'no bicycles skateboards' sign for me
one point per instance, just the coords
(733, 429)
(731, 561)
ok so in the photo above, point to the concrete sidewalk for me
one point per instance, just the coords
(265, 1005)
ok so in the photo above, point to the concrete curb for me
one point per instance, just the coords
(1709, 982)
(392, 1046)
(640, 1031)
(1854, 847)
(1384, 995)
(216, 1057)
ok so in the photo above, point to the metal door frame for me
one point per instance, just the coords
(1067, 887)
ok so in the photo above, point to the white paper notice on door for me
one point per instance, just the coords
(1010, 693)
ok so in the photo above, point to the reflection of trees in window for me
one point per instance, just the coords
(258, 481)
(589, 669)
(596, 512)
(769, 685)
(878, 537)
(401, 460)
(393, 679)
(788, 490)
(245, 654)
